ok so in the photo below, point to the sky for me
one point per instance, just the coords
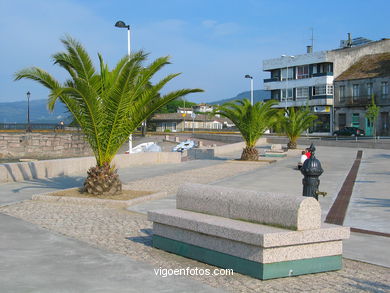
(214, 43)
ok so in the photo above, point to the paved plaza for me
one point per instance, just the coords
(52, 247)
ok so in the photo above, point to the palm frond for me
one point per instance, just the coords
(251, 121)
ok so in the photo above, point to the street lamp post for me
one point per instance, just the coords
(28, 112)
(251, 78)
(122, 24)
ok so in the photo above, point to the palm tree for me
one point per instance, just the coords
(107, 104)
(292, 122)
(251, 121)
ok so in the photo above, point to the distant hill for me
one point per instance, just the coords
(258, 95)
(16, 112)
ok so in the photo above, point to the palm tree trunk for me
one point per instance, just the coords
(250, 154)
(102, 180)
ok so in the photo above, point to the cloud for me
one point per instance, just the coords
(221, 29)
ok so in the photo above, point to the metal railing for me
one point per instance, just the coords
(36, 127)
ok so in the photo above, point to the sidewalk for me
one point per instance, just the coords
(368, 209)
(37, 260)
(47, 260)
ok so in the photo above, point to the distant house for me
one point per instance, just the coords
(203, 108)
(185, 122)
(354, 89)
(185, 110)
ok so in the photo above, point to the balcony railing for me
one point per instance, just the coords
(322, 74)
(301, 77)
(357, 101)
(272, 79)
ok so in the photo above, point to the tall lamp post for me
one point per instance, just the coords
(251, 78)
(28, 112)
(122, 24)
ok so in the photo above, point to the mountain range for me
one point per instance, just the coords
(16, 112)
(258, 95)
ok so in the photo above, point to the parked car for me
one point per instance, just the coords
(349, 131)
(185, 145)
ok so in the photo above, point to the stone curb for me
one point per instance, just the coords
(98, 201)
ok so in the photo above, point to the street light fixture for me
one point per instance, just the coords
(251, 78)
(28, 112)
(122, 24)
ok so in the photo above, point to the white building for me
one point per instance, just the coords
(307, 79)
(203, 108)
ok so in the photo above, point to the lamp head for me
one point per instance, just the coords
(248, 76)
(28, 94)
(122, 24)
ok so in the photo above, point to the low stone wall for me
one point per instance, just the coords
(360, 143)
(203, 153)
(13, 172)
(228, 138)
(42, 145)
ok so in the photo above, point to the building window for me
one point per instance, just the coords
(284, 74)
(302, 72)
(342, 120)
(369, 89)
(384, 123)
(385, 89)
(302, 93)
(355, 91)
(289, 93)
(174, 126)
(322, 90)
(342, 93)
(314, 68)
(275, 95)
(355, 120)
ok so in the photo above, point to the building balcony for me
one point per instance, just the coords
(322, 74)
(272, 84)
(357, 101)
(304, 102)
(271, 79)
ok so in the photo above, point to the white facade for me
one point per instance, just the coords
(308, 79)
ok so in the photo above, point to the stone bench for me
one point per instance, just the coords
(276, 148)
(263, 235)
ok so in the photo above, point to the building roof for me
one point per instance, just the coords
(369, 66)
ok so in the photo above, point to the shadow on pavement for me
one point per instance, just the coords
(52, 183)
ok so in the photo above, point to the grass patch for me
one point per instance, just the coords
(124, 195)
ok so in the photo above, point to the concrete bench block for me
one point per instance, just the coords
(245, 232)
(285, 211)
(249, 251)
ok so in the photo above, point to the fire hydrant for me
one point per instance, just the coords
(311, 170)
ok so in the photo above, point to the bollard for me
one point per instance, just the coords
(311, 170)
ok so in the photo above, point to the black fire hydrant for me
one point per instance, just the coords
(311, 170)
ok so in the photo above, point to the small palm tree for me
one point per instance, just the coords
(107, 104)
(251, 121)
(292, 122)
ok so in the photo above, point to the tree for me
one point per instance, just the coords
(372, 114)
(292, 122)
(107, 104)
(172, 106)
(251, 121)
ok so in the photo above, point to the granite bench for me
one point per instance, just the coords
(263, 235)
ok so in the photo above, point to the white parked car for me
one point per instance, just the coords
(185, 145)
(146, 147)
